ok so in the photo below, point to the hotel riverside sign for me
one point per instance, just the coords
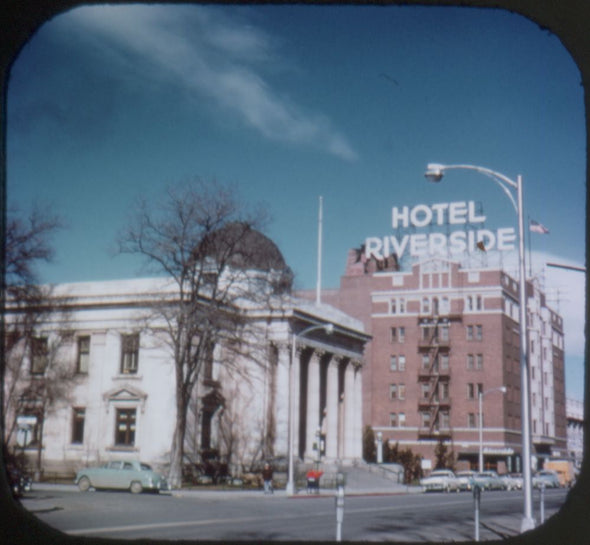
(433, 243)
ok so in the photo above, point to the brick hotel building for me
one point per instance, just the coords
(442, 333)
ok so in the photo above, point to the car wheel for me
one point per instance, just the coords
(136, 487)
(84, 484)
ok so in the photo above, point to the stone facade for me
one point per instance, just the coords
(120, 401)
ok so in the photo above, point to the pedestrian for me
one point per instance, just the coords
(267, 478)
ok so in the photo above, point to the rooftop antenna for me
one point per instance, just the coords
(318, 292)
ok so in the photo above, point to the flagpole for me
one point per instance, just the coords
(318, 293)
(530, 253)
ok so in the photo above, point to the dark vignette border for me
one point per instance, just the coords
(569, 20)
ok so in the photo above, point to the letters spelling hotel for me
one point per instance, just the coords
(444, 327)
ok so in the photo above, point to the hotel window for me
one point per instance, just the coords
(444, 332)
(39, 352)
(401, 392)
(444, 305)
(425, 419)
(393, 391)
(398, 334)
(478, 302)
(83, 359)
(398, 306)
(445, 420)
(425, 391)
(470, 360)
(402, 363)
(471, 420)
(78, 418)
(478, 332)
(479, 362)
(393, 420)
(401, 418)
(393, 363)
(444, 390)
(425, 361)
(471, 391)
(444, 362)
(426, 305)
(469, 331)
(129, 353)
(125, 427)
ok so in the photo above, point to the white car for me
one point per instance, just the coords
(442, 480)
(466, 479)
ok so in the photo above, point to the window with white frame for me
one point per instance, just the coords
(83, 357)
(125, 420)
(129, 353)
(393, 420)
(401, 420)
(39, 355)
(393, 363)
(393, 391)
(78, 419)
(401, 363)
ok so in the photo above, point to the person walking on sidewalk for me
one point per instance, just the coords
(267, 478)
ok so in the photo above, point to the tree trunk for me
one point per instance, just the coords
(177, 451)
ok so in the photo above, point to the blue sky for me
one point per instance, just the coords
(293, 102)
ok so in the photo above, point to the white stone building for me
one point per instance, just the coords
(120, 400)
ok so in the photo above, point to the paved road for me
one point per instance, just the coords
(253, 516)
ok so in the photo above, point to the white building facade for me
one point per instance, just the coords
(120, 397)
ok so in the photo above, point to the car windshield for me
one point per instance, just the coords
(145, 467)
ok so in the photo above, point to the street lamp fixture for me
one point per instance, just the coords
(329, 329)
(480, 397)
(434, 173)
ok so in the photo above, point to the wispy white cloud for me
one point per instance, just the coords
(206, 52)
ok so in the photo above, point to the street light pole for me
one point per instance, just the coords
(329, 329)
(480, 397)
(435, 173)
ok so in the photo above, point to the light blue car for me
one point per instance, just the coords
(546, 478)
(121, 475)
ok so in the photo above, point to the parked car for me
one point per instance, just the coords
(465, 479)
(547, 478)
(124, 475)
(510, 483)
(442, 480)
(489, 480)
(517, 478)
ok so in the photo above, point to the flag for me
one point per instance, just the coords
(537, 227)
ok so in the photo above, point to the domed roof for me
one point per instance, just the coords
(247, 248)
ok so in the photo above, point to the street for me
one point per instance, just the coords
(253, 516)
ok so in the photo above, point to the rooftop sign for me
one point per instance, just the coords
(437, 243)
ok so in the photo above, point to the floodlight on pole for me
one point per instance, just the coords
(329, 329)
(434, 173)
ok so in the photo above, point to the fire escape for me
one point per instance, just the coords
(434, 376)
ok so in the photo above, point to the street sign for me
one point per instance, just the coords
(26, 421)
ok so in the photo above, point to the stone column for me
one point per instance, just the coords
(332, 410)
(358, 415)
(349, 412)
(313, 405)
(296, 400)
(282, 401)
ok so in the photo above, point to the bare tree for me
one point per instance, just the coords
(207, 241)
(26, 244)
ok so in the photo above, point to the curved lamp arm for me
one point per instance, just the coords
(435, 171)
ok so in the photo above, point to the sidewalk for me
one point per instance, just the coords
(387, 489)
